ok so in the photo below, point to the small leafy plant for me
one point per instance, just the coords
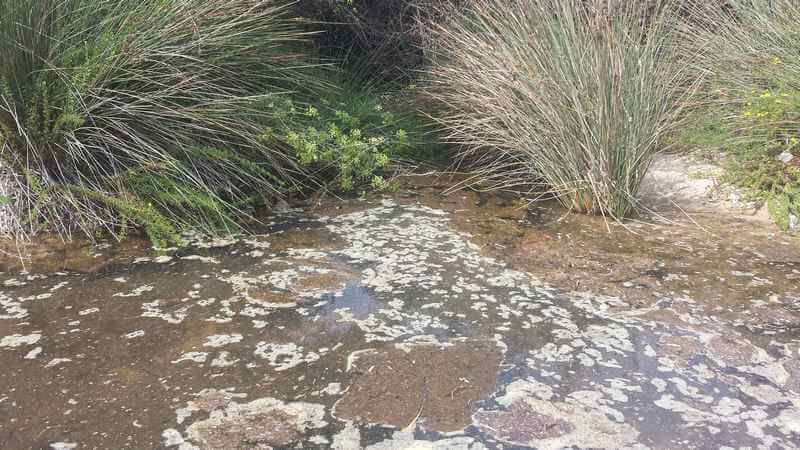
(349, 138)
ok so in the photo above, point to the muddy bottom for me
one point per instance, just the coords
(435, 385)
(721, 259)
(420, 321)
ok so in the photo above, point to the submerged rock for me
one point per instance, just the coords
(260, 424)
(544, 425)
(436, 386)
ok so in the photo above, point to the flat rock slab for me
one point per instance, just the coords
(380, 328)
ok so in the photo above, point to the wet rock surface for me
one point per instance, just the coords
(388, 326)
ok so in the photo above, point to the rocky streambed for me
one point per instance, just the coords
(417, 321)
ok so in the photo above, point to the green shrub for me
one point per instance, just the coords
(748, 55)
(350, 135)
(557, 93)
(144, 111)
(783, 206)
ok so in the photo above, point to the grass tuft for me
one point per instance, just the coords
(144, 112)
(560, 95)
